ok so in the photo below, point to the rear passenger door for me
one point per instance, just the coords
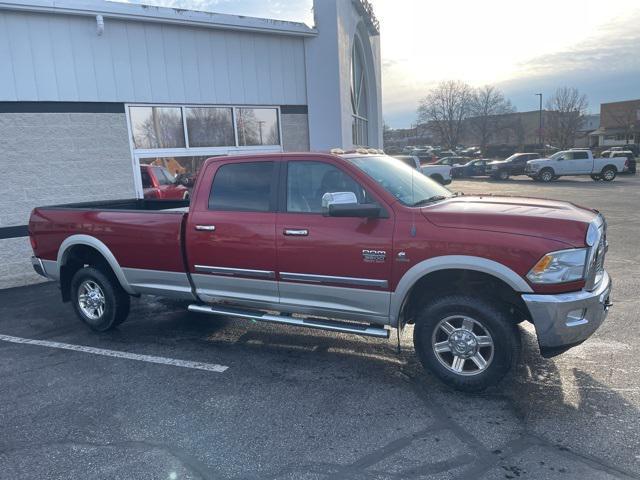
(231, 234)
(330, 265)
(583, 162)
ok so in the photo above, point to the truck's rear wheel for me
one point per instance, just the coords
(467, 342)
(608, 174)
(546, 175)
(98, 299)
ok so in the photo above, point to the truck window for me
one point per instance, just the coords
(307, 182)
(580, 155)
(245, 187)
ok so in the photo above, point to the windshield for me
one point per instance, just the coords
(409, 186)
(556, 155)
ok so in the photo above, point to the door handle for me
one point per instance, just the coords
(296, 232)
(205, 228)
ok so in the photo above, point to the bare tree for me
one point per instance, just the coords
(567, 108)
(489, 108)
(444, 109)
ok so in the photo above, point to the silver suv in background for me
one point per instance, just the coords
(575, 162)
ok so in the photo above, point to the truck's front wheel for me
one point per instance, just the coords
(467, 342)
(98, 299)
(546, 175)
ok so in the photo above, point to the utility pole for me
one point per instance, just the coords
(540, 124)
(260, 123)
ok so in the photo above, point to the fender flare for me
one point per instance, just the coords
(452, 262)
(102, 249)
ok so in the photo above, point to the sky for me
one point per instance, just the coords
(521, 47)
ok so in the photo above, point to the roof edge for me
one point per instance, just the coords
(154, 14)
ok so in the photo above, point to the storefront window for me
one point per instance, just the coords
(170, 177)
(157, 127)
(257, 126)
(171, 142)
(360, 124)
(210, 127)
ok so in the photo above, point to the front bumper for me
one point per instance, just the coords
(567, 319)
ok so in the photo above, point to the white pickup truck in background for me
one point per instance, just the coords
(439, 173)
(575, 162)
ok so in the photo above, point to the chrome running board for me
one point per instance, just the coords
(321, 324)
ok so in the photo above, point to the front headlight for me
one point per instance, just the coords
(559, 267)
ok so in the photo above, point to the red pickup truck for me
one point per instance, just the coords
(357, 243)
(158, 183)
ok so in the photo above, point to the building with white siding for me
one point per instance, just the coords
(93, 94)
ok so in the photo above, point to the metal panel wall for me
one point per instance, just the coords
(53, 57)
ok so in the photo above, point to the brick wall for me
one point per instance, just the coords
(295, 132)
(50, 158)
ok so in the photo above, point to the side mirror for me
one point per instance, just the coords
(345, 204)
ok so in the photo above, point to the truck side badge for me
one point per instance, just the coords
(374, 256)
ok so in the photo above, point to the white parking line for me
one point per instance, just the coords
(209, 367)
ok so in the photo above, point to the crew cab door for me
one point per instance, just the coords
(330, 265)
(574, 163)
(230, 233)
(582, 162)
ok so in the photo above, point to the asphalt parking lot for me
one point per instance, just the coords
(302, 404)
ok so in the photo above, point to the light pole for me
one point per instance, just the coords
(540, 123)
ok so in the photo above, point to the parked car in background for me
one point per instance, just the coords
(471, 152)
(628, 154)
(425, 155)
(514, 165)
(158, 183)
(438, 173)
(575, 162)
(409, 160)
(456, 160)
(474, 168)
(364, 246)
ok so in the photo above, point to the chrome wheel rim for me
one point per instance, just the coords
(462, 345)
(546, 176)
(91, 300)
(608, 175)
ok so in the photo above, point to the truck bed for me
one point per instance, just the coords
(141, 234)
(130, 204)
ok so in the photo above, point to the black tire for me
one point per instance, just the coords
(546, 175)
(116, 301)
(596, 178)
(503, 175)
(608, 174)
(437, 178)
(493, 319)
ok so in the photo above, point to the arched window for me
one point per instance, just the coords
(359, 94)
